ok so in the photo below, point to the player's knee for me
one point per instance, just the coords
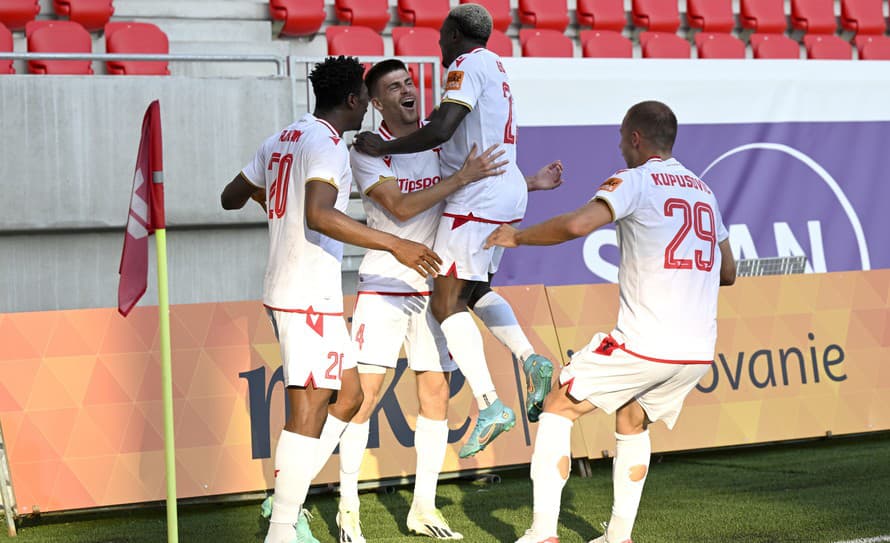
(637, 473)
(433, 399)
(564, 465)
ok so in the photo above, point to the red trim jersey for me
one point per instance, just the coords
(303, 268)
(379, 270)
(668, 225)
(477, 80)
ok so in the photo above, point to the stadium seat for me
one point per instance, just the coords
(719, 45)
(774, 46)
(710, 15)
(664, 45)
(767, 16)
(605, 44)
(15, 14)
(602, 14)
(373, 14)
(813, 16)
(873, 47)
(656, 15)
(6, 46)
(862, 17)
(500, 43)
(827, 47)
(552, 14)
(354, 41)
(92, 14)
(499, 10)
(58, 37)
(301, 17)
(138, 38)
(545, 42)
(429, 13)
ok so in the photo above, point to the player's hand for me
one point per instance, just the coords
(547, 178)
(260, 197)
(369, 143)
(481, 166)
(504, 236)
(416, 256)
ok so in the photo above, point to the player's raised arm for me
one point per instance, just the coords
(441, 126)
(547, 178)
(559, 229)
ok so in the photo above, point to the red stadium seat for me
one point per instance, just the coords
(545, 42)
(301, 17)
(499, 10)
(605, 44)
(656, 15)
(774, 46)
(827, 47)
(58, 37)
(500, 44)
(552, 14)
(6, 46)
(813, 16)
(373, 14)
(602, 14)
(664, 45)
(92, 14)
(710, 15)
(15, 14)
(429, 13)
(862, 16)
(719, 45)
(354, 41)
(136, 38)
(767, 16)
(873, 47)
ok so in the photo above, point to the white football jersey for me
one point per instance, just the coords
(379, 270)
(478, 81)
(303, 269)
(668, 225)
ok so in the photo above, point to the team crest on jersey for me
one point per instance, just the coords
(388, 161)
(611, 184)
(455, 80)
(335, 139)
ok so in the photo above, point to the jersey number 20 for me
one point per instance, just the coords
(278, 190)
(693, 218)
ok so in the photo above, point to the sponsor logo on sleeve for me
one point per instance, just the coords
(455, 80)
(611, 184)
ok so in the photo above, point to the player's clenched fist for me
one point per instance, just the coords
(369, 143)
(504, 236)
(417, 256)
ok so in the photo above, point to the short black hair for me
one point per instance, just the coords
(382, 68)
(335, 79)
(655, 121)
(472, 21)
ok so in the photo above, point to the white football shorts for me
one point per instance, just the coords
(459, 243)
(606, 375)
(382, 323)
(315, 347)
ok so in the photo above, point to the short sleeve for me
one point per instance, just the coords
(254, 172)
(622, 193)
(368, 171)
(464, 81)
(327, 162)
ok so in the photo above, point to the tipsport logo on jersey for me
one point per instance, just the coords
(812, 189)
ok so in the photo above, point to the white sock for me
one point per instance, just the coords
(327, 442)
(499, 318)
(465, 344)
(629, 470)
(352, 449)
(552, 455)
(292, 479)
(430, 443)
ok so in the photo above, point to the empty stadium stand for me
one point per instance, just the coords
(550, 14)
(500, 43)
(656, 15)
(774, 46)
(605, 44)
(15, 14)
(429, 13)
(719, 45)
(6, 46)
(827, 47)
(545, 42)
(92, 14)
(602, 14)
(763, 16)
(710, 15)
(354, 40)
(813, 16)
(873, 47)
(499, 10)
(664, 45)
(863, 17)
(301, 17)
(136, 38)
(373, 14)
(58, 37)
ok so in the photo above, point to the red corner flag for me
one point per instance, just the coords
(146, 212)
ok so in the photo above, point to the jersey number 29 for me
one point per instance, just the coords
(693, 218)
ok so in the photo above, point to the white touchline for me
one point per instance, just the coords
(876, 539)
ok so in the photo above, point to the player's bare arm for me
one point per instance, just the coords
(321, 216)
(559, 229)
(443, 122)
(404, 206)
(239, 191)
(547, 178)
(727, 264)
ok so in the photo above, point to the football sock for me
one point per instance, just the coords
(327, 442)
(499, 318)
(465, 344)
(550, 471)
(629, 470)
(352, 449)
(292, 479)
(430, 443)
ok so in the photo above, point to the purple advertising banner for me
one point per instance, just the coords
(817, 189)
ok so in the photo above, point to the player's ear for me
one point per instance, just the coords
(377, 105)
(635, 139)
